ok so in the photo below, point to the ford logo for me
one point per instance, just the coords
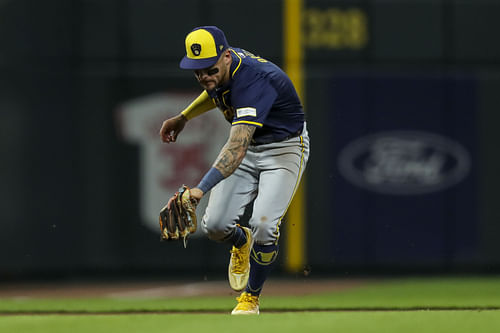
(404, 162)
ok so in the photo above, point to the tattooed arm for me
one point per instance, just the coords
(228, 160)
(235, 149)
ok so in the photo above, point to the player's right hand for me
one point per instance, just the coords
(171, 128)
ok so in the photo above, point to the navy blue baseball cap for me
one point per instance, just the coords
(204, 45)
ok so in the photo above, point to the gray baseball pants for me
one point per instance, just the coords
(270, 174)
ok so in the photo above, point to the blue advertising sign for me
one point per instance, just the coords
(403, 156)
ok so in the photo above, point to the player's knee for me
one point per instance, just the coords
(215, 231)
(264, 232)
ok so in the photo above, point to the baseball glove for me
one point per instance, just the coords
(178, 217)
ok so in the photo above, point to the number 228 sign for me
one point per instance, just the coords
(335, 28)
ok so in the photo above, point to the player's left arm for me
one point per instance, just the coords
(235, 149)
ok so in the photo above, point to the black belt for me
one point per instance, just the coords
(273, 140)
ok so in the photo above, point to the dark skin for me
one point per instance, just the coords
(240, 135)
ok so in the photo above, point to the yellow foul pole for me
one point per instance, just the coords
(293, 59)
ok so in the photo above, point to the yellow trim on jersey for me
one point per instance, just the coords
(206, 41)
(237, 67)
(201, 104)
(246, 122)
(224, 99)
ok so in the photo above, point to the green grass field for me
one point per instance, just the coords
(455, 305)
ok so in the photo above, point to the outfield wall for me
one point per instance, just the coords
(402, 106)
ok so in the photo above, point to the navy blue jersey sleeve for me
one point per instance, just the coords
(252, 99)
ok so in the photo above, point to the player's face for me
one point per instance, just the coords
(216, 75)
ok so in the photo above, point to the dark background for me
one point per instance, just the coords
(69, 190)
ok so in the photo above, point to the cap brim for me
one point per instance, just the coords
(188, 63)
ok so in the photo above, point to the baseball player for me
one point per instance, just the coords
(262, 160)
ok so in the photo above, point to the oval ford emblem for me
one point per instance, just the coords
(404, 162)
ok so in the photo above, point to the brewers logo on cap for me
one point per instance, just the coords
(196, 49)
(204, 46)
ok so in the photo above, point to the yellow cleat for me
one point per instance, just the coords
(247, 305)
(239, 264)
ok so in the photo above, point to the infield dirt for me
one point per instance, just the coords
(159, 289)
